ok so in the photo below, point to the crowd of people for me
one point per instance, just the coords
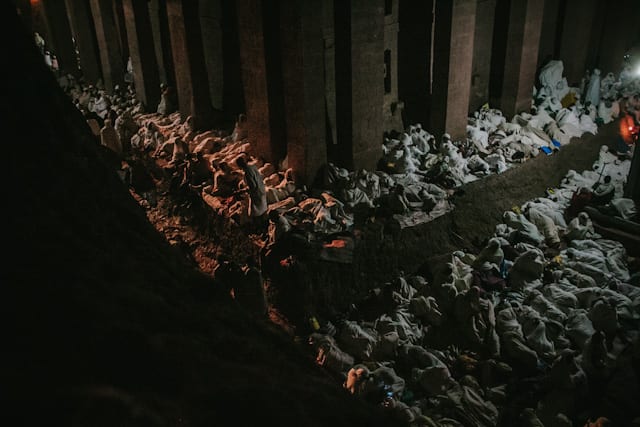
(546, 315)
(540, 327)
(417, 172)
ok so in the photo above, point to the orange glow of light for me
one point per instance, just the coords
(34, 2)
(285, 262)
(335, 244)
(627, 129)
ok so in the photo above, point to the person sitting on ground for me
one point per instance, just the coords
(197, 173)
(164, 146)
(94, 121)
(102, 105)
(112, 115)
(225, 274)
(188, 129)
(581, 228)
(395, 203)
(167, 103)
(279, 226)
(83, 98)
(225, 181)
(603, 192)
(239, 131)
(353, 195)
(428, 200)
(180, 152)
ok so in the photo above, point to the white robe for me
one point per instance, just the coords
(592, 94)
(257, 193)
(109, 138)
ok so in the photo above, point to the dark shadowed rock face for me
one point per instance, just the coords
(103, 323)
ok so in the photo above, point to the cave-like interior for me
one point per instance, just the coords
(381, 196)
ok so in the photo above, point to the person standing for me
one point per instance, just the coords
(47, 58)
(592, 94)
(255, 187)
(249, 292)
(109, 137)
(55, 66)
(39, 42)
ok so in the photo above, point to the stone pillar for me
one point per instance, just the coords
(191, 73)
(549, 40)
(482, 42)
(392, 107)
(108, 43)
(261, 76)
(359, 35)
(39, 23)
(613, 46)
(82, 28)
(210, 22)
(329, 37)
(141, 50)
(232, 88)
(121, 28)
(23, 8)
(597, 30)
(414, 59)
(576, 29)
(515, 56)
(452, 64)
(303, 70)
(162, 41)
(61, 43)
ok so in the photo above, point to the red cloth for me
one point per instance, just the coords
(628, 129)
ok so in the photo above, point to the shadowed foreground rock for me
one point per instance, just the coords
(104, 323)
